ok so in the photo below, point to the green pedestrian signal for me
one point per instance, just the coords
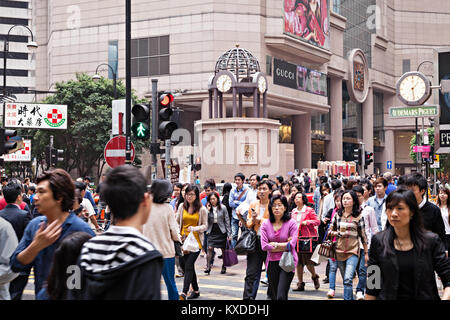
(140, 127)
(141, 130)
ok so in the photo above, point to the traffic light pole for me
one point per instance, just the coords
(154, 140)
(363, 159)
(51, 150)
(128, 82)
(167, 156)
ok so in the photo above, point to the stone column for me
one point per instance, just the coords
(389, 151)
(367, 123)
(205, 109)
(301, 138)
(334, 148)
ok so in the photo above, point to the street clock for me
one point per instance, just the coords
(413, 88)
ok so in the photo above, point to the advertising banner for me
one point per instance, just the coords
(442, 137)
(289, 75)
(308, 20)
(38, 116)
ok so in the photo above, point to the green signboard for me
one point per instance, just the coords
(414, 112)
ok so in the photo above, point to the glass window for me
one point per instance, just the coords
(143, 67)
(351, 118)
(357, 34)
(154, 66)
(134, 48)
(378, 118)
(152, 55)
(143, 47)
(164, 45)
(406, 65)
(113, 58)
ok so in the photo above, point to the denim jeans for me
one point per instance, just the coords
(168, 274)
(349, 266)
(362, 273)
(332, 274)
(234, 231)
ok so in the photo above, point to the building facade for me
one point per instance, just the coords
(20, 75)
(327, 100)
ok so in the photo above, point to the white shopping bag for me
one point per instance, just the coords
(316, 257)
(191, 244)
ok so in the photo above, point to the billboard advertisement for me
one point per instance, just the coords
(442, 137)
(308, 20)
(298, 77)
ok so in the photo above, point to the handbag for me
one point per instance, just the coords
(287, 262)
(246, 243)
(178, 250)
(229, 256)
(306, 244)
(328, 249)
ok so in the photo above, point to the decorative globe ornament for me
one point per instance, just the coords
(237, 71)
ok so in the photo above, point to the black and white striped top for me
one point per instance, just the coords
(114, 248)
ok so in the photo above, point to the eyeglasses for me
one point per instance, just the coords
(190, 194)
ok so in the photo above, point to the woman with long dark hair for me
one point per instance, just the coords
(66, 255)
(219, 228)
(307, 221)
(348, 226)
(406, 256)
(279, 234)
(191, 216)
(226, 198)
(444, 205)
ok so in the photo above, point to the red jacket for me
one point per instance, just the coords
(310, 217)
(3, 204)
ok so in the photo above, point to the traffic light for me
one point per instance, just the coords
(140, 127)
(357, 155)
(198, 164)
(56, 156)
(369, 159)
(5, 144)
(165, 126)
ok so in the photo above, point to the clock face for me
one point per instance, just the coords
(413, 89)
(224, 83)
(262, 85)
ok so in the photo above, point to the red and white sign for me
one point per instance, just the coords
(115, 151)
(20, 155)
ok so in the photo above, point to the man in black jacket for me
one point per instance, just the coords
(431, 214)
(19, 219)
(121, 264)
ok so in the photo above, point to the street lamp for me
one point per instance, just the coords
(97, 77)
(32, 46)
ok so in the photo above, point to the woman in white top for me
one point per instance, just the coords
(444, 203)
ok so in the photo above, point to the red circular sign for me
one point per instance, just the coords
(115, 151)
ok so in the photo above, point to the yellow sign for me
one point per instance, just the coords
(436, 158)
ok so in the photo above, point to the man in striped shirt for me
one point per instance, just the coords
(122, 264)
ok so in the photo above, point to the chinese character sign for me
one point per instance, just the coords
(20, 155)
(39, 116)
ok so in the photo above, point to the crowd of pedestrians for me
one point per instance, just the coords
(159, 231)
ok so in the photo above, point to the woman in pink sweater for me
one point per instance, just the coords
(276, 233)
